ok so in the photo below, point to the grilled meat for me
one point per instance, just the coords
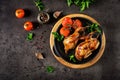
(71, 41)
(84, 49)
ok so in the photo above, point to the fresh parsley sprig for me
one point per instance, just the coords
(39, 4)
(69, 2)
(30, 36)
(94, 27)
(83, 4)
(58, 36)
(72, 58)
(50, 69)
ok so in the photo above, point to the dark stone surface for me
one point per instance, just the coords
(17, 59)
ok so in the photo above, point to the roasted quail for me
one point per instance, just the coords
(71, 41)
(84, 49)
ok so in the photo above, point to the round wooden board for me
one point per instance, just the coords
(71, 65)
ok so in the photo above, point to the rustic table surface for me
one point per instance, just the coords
(17, 55)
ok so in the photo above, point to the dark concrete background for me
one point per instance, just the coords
(17, 59)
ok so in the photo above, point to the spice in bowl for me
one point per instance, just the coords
(43, 17)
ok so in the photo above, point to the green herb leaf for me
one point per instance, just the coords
(77, 2)
(87, 4)
(39, 4)
(50, 69)
(69, 2)
(72, 58)
(94, 27)
(58, 36)
(83, 4)
(30, 36)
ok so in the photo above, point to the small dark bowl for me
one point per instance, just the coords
(58, 47)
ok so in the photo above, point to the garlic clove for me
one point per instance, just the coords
(39, 56)
(56, 14)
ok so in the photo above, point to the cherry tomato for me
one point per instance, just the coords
(67, 22)
(65, 31)
(28, 26)
(19, 13)
(77, 23)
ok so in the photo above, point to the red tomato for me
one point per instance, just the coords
(65, 31)
(28, 26)
(19, 13)
(67, 22)
(77, 23)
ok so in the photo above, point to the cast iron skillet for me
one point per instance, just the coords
(58, 47)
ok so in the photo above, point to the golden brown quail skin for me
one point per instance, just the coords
(71, 41)
(84, 49)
